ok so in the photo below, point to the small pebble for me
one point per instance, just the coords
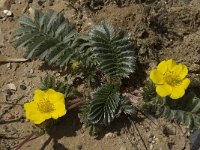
(11, 86)
(153, 142)
(110, 135)
(23, 87)
(31, 71)
(9, 65)
(5, 12)
(8, 13)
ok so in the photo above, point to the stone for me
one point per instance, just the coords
(9, 65)
(110, 135)
(31, 71)
(11, 86)
(7, 13)
(23, 87)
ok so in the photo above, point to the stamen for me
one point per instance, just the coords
(45, 106)
(172, 78)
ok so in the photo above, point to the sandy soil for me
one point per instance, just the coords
(162, 30)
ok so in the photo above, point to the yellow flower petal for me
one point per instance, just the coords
(56, 97)
(32, 113)
(61, 111)
(50, 92)
(177, 92)
(163, 90)
(185, 83)
(156, 77)
(162, 67)
(59, 104)
(171, 64)
(46, 105)
(184, 72)
(177, 69)
(38, 94)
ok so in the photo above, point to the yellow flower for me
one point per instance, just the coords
(75, 66)
(46, 105)
(170, 79)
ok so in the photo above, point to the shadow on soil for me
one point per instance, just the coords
(70, 124)
(66, 127)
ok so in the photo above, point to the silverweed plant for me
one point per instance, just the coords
(103, 56)
(167, 96)
(99, 60)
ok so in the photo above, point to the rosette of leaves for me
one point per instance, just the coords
(185, 110)
(51, 37)
(114, 55)
(47, 36)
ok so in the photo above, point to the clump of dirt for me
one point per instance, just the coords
(160, 29)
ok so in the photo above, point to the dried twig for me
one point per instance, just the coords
(7, 59)
(24, 141)
(7, 103)
(146, 114)
(76, 104)
(139, 134)
(74, 101)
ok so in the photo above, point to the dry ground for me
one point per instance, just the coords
(162, 30)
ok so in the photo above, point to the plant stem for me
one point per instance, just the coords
(7, 103)
(24, 141)
(76, 105)
(74, 101)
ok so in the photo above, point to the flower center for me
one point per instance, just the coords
(45, 106)
(172, 78)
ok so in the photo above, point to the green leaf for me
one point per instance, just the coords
(185, 110)
(104, 104)
(149, 91)
(47, 36)
(22, 30)
(83, 47)
(25, 39)
(126, 107)
(113, 51)
(49, 82)
(94, 129)
(27, 22)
